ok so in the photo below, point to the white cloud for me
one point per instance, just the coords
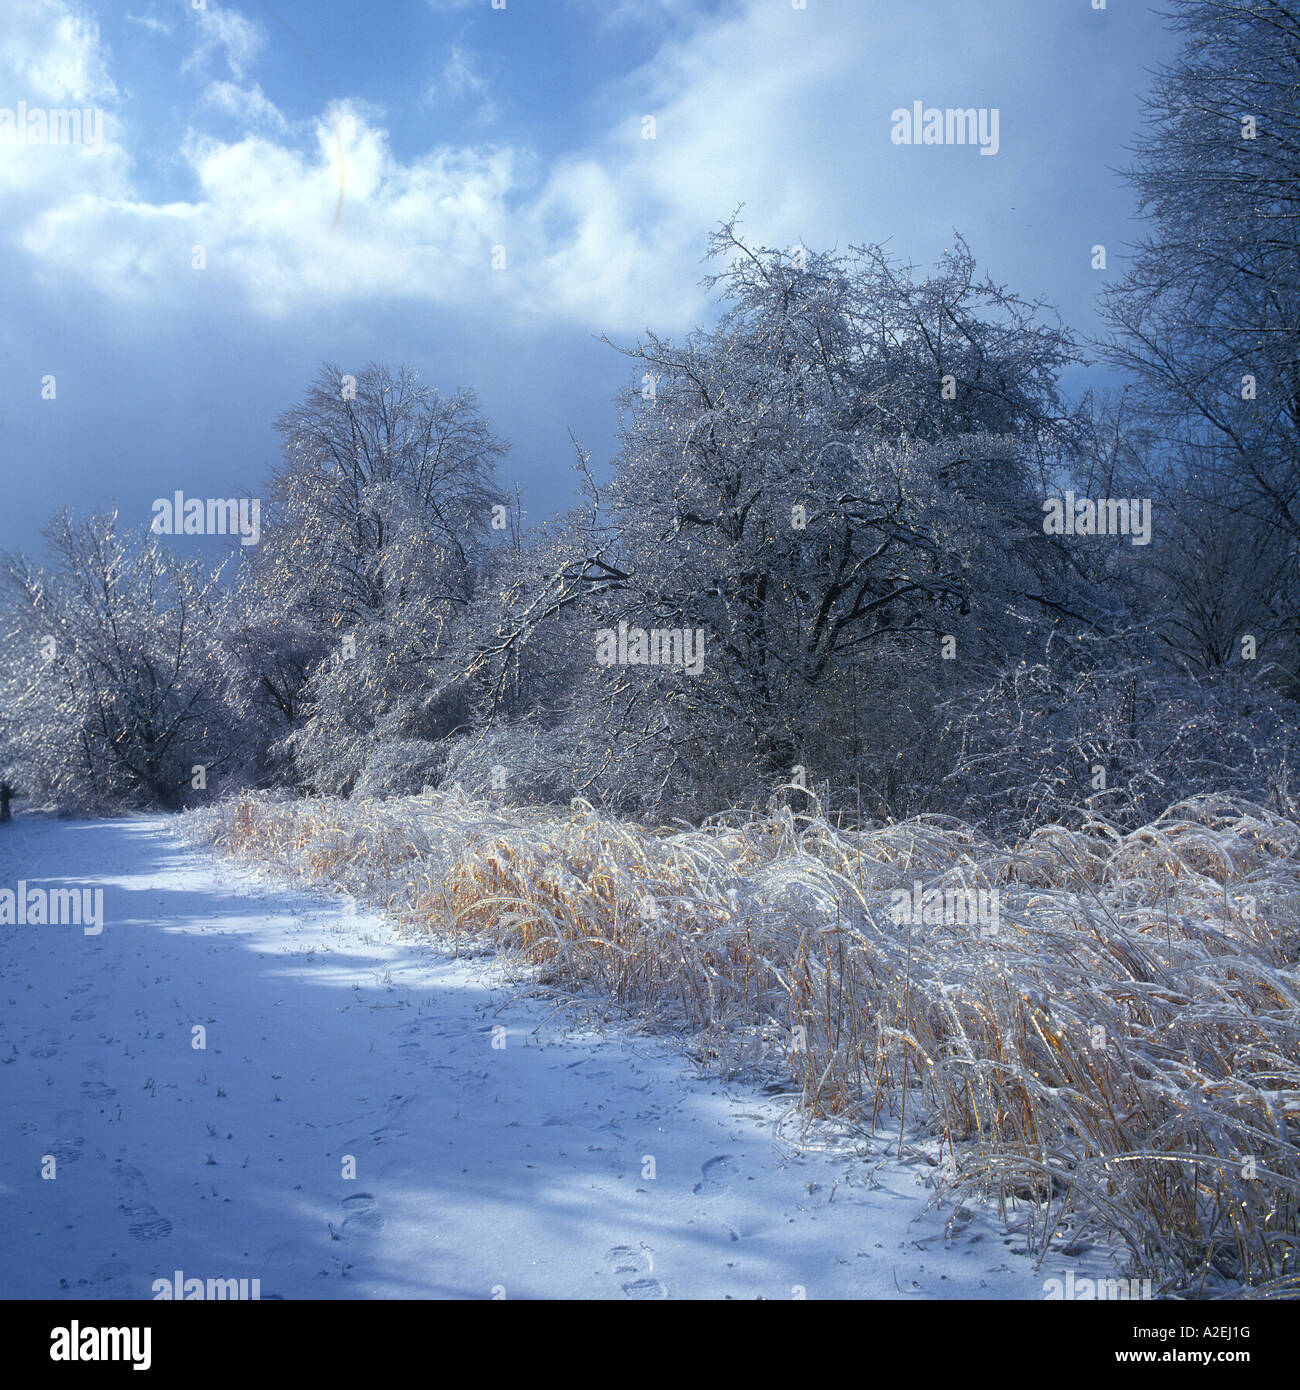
(737, 102)
(227, 33)
(51, 55)
(151, 22)
(51, 50)
(339, 222)
(648, 13)
(461, 80)
(249, 105)
(460, 77)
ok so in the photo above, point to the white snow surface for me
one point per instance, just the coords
(512, 1171)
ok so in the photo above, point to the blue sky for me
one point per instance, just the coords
(348, 170)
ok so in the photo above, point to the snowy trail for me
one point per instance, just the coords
(516, 1169)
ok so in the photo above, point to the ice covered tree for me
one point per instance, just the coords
(1206, 321)
(837, 483)
(1207, 318)
(111, 670)
(377, 520)
(841, 482)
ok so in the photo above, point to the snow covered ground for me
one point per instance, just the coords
(519, 1170)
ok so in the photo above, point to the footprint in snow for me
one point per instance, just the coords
(97, 1090)
(131, 1181)
(68, 1144)
(715, 1177)
(363, 1218)
(45, 1044)
(68, 1150)
(146, 1224)
(624, 1260)
(642, 1289)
